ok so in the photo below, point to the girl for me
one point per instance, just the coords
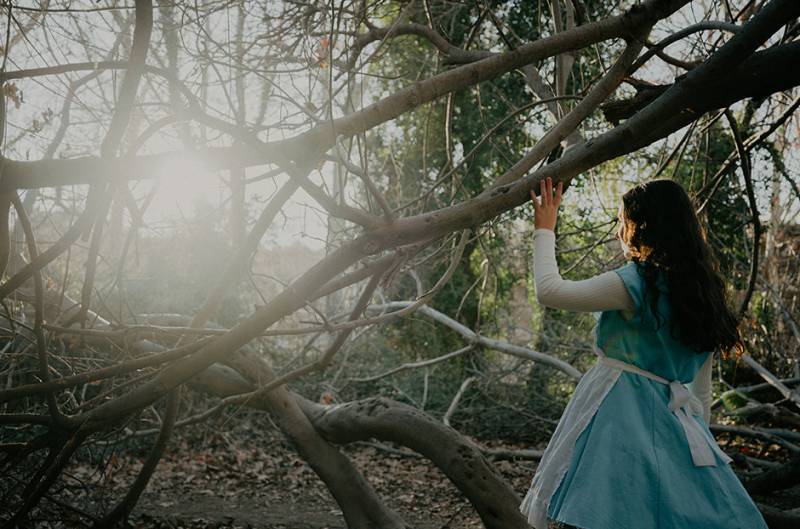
(633, 449)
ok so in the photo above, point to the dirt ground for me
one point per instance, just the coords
(269, 487)
(258, 482)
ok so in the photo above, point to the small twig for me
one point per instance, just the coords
(456, 399)
(416, 365)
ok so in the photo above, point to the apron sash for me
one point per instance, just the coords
(683, 404)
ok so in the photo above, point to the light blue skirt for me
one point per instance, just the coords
(632, 468)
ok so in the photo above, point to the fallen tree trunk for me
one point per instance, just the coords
(494, 500)
(360, 504)
(782, 477)
(460, 459)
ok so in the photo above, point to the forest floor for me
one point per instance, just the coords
(261, 483)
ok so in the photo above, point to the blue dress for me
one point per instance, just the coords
(631, 466)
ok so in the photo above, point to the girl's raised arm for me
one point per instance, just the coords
(602, 292)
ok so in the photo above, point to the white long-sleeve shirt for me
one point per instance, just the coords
(602, 292)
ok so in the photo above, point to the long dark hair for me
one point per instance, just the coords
(663, 232)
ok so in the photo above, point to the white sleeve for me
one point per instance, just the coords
(701, 386)
(602, 292)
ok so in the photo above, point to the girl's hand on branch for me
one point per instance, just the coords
(546, 211)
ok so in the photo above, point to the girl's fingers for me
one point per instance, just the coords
(535, 201)
(547, 196)
(543, 192)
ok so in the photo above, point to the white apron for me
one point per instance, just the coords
(589, 394)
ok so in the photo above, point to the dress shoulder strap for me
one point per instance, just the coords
(633, 282)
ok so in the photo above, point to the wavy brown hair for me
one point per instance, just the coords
(663, 231)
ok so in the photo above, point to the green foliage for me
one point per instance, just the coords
(764, 313)
(733, 400)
